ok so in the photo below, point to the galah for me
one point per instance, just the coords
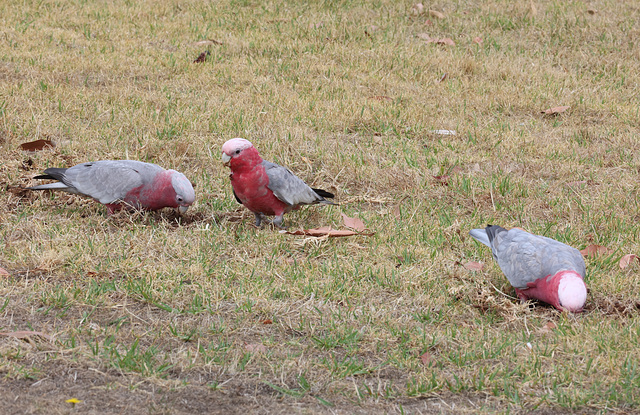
(538, 267)
(121, 184)
(266, 188)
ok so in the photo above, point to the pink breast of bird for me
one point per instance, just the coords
(250, 185)
(540, 289)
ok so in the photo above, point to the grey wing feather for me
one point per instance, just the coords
(524, 257)
(565, 257)
(108, 181)
(288, 187)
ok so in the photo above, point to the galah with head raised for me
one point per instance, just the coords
(125, 184)
(266, 188)
(538, 267)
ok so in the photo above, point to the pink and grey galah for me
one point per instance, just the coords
(266, 188)
(538, 267)
(125, 184)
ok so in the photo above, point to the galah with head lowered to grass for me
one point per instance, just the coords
(266, 188)
(538, 267)
(125, 184)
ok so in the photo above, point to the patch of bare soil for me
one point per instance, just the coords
(114, 393)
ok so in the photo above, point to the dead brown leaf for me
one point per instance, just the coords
(255, 348)
(27, 334)
(595, 250)
(550, 325)
(627, 259)
(267, 321)
(556, 110)
(326, 231)
(37, 145)
(474, 266)
(442, 78)
(436, 14)
(592, 11)
(202, 57)
(426, 358)
(353, 223)
(4, 272)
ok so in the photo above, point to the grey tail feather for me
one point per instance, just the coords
(323, 193)
(50, 186)
(45, 176)
(481, 236)
(53, 173)
(493, 230)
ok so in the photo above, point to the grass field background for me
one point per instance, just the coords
(151, 313)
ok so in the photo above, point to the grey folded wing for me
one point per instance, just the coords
(288, 187)
(524, 257)
(109, 181)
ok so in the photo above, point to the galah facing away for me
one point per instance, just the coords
(538, 267)
(266, 188)
(125, 184)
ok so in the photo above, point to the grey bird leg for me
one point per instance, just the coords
(278, 221)
(258, 219)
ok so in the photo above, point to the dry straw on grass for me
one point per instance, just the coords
(154, 313)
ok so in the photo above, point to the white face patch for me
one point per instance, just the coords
(572, 292)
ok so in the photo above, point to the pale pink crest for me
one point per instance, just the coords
(185, 195)
(572, 291)
(234, 145)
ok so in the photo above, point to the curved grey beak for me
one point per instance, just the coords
(182, 209)
(226, 159)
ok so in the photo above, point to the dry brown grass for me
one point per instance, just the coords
(151, 313)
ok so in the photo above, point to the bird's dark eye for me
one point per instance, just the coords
(179, 199)
(237, 151)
